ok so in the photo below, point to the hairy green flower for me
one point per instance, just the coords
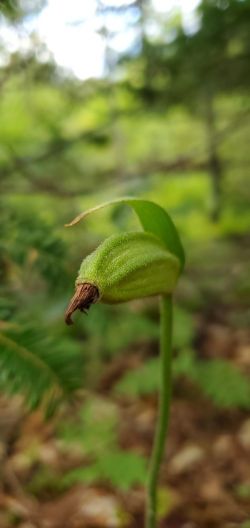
(130, 266)
(124, 267)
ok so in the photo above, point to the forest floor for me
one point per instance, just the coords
(205, 475)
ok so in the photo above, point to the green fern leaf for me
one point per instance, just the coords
(220, 381)
(123, 469)
(140, 381)
(223, 383)
(42, 370)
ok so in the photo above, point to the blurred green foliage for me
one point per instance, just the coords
(96, 432)
(123, 469)
(169, 122)
(243, 491)
(217, 379)
(37, 366)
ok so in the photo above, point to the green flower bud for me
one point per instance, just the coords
(124, 267)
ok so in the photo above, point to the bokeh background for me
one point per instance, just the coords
(99, 99)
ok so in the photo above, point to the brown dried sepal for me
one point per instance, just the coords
(85, 295)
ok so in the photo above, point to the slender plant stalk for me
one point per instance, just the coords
(166, 315)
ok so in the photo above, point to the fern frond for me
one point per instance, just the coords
(224, 383)
(43, 370)
(219, 380)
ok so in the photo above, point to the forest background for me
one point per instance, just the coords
(168, 119)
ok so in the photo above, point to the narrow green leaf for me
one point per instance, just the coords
(154, 219)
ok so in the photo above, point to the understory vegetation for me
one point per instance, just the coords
(169, 122)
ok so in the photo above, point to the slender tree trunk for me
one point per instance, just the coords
(215, 164)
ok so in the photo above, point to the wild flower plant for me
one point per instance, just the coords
(135, 265)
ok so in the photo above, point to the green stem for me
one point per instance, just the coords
(166, 314)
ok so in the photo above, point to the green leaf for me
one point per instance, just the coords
(223, 383)
(42, 369)
(95, 429)
(123, 469)
(220, 381)
(142, 380)
(154, 219)
(243, 491)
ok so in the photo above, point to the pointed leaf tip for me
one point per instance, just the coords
(154, 219)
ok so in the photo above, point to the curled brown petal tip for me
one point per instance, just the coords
(85, 295)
